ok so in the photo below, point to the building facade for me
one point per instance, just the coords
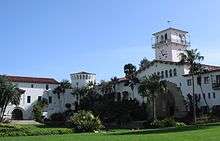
(81, 79)
(36, 89)
(168, 44)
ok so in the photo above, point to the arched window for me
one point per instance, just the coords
(171, 74)
(174, 72)
(181, 38)
(157, 39)
(166, 36)
(83, 76)
(80, 76)
(86, 76)
(162, 74)
(166, 73)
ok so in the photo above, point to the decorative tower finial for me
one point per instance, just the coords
(169, 23)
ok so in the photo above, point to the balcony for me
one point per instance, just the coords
(216, 86)
(175, 41)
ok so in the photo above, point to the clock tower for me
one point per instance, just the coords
(169, 43)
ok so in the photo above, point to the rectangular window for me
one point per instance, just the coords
(166, 73)
(32, 85)
(174, 72)
(50, 99)
(206, 80)
(218, 79)
(203, 95)
(39, 98)
(189, 82)
(28, 99)
(199, 80)
(213, 94)
(209, 95)
(47, 87)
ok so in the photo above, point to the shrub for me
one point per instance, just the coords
(180, 125)
(156, 124)
(31, 130)
(85, 121)
(167, 122)
(57, 117)
(38, 109)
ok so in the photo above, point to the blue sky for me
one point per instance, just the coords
(57, 37)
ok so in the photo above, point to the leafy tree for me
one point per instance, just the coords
(38, 109)
(111, 111)
(80, 92)
(192, 58)
(9, 93)
(151, 87)
(130, 74)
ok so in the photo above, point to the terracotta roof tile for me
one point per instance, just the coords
(32, 80)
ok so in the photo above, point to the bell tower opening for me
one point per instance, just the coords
(169, 43)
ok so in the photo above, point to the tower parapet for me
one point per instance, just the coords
(81, 79)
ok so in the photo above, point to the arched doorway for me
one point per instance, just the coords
(17, 114)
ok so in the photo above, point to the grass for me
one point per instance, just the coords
(203, 133)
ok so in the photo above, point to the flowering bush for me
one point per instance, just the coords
(85, 121)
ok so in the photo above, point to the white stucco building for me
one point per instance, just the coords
(168, 44)
(36, 89)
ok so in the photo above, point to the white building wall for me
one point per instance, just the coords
(34, 93)
(181, 81)
(82, 79)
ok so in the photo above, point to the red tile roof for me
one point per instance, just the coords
(123, 79)
(32, 80)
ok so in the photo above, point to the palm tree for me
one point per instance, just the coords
(80, 92)
(114, 82)
(144, 63)
(105, 87)
(9, 93)
(151, 87)
(61, 89)
(192, 58)
(130, 74)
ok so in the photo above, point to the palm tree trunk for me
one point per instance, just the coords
(133, 94)
(204, 97)
(154, 109)
(194, 100)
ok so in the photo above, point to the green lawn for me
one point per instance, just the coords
(207, 133)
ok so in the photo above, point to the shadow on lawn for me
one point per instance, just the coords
(166, 130)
